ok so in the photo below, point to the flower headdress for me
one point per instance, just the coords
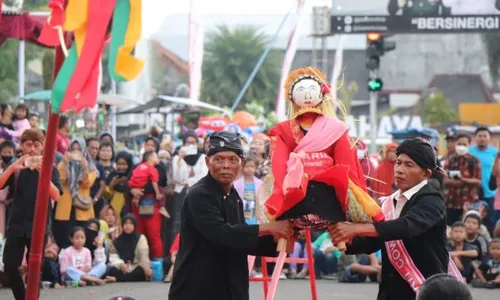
(325, 107)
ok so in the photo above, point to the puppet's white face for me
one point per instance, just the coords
(306, 93)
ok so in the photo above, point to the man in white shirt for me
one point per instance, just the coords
(413, 236)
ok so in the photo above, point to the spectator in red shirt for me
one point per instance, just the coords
(62, 137)
(144, 173)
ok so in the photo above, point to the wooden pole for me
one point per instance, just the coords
(42, 199)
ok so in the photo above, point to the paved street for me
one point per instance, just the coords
(287, 290)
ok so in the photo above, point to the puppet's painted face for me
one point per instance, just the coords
(306, 93)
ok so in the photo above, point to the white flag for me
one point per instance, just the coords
(196, 47)
(287, 62)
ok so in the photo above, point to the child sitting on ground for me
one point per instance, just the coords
(488, 273)
(76, 261)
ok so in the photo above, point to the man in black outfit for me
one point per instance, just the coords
(417, 218)
(22, 178)
(214, 238)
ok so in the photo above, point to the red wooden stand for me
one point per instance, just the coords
(265, 279)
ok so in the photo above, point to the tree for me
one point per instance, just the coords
(437, 110)
(346, 95)
(230, 56)
(256, 109)
(48, 68)
(8, 66)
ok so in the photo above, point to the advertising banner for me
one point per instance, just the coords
(415, 16)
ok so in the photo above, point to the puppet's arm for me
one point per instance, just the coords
(279, 155)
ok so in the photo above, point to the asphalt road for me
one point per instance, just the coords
(287, 290)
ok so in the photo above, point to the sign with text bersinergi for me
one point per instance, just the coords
(415, 16)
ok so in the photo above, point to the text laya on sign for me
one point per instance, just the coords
(359, 126)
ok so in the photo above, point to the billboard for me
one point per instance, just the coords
(415, 16)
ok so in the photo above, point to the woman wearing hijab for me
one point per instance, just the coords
(129, 254)
(384, 176)
(94, 241)
(188, 166)
(116, 183)
(75, 207)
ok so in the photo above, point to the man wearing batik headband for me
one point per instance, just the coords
(317, 176)
(214, 238)
(413, 236)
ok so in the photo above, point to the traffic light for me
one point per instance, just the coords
(376, 46)
(374, 49)
(375, 85)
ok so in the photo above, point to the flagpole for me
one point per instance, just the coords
(42, 197)
(259, 63)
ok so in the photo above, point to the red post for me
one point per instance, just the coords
(42, 198)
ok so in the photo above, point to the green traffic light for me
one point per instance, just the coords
(375, 85)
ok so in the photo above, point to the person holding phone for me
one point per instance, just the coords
(461, 185)
(78, 174)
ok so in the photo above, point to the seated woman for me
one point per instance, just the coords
(129, 254)
(96, 243)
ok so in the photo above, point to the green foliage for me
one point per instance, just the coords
(256, 109)
(437, 110)
(8, 66)
(36, 5)
(230, 56)
(48, 68)
(346, 95)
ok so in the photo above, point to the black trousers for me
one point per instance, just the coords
(136, 275)
(50, 271)
(12, 259)
(62, 229)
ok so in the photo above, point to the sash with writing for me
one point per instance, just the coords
(400, 258)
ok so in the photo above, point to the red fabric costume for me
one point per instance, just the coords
(318, 179)
(340, 160)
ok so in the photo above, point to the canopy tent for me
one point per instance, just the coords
(104, 99)
(21, 26)
(164, 101)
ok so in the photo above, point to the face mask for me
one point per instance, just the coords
(361, 153)
(6, 159)
(461, 150)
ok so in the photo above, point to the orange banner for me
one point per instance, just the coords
(481, 113)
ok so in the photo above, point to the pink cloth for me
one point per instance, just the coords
(314, 141)
(71, 257)
(496, 204)
(62, 143)
(19, 127)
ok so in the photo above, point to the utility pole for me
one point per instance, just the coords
(321, 28)
(373, 113)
